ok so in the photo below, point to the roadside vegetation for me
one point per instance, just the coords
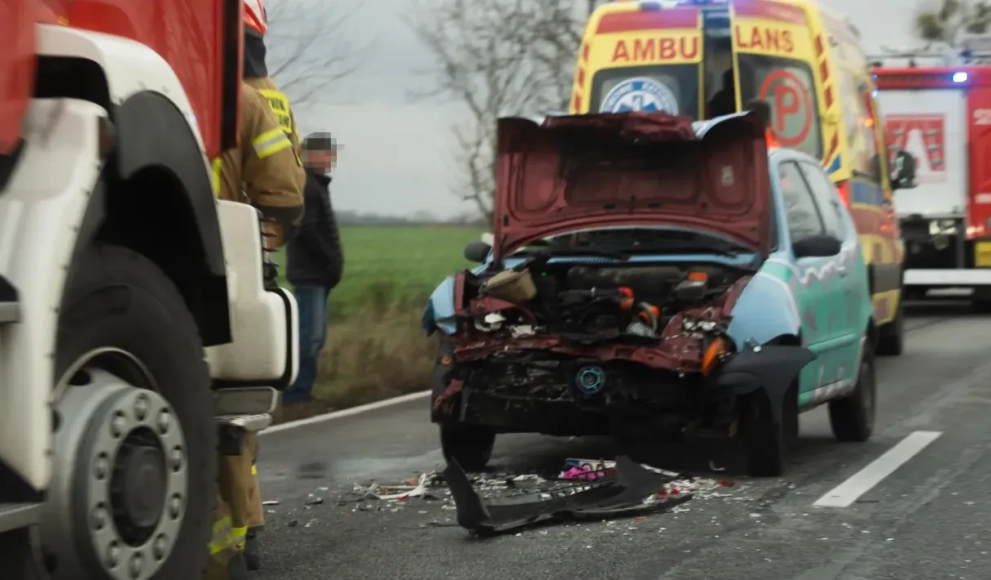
(375, 347)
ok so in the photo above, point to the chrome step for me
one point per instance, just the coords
(14, 516)
(10, 306)
(10, 312)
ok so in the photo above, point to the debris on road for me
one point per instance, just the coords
(632, 490)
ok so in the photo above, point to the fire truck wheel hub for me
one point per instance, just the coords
(120, 482)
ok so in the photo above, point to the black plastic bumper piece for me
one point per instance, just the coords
(771, 368)
(622, 496)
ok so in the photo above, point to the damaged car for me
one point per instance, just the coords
(651, 278)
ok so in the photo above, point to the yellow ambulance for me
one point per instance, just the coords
(705, 58)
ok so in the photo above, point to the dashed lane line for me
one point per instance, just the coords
(844, 494)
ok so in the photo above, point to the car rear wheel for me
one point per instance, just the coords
(765, 439)
(469, 444)
(852, 417)
(891, 341)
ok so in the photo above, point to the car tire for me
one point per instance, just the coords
(116, 298)
(852, 417)
(469, 444)
(891, 339)
(765, 440)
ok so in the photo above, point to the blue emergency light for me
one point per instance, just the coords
(960, 77)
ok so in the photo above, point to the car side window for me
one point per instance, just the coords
(803, 216)
(826, 198)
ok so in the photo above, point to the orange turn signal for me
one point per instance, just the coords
(712, 354)
(698, 276)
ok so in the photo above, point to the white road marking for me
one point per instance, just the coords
(861, 482)
(348, 412)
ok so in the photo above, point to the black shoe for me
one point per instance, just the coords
(251, 556)
(237, 569)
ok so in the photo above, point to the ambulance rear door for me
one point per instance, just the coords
(931, 125)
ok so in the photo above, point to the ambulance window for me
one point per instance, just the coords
(789, 87)
(826, 199)
(670, 88)
(803, 216)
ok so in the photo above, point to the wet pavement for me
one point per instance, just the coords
(925, 519)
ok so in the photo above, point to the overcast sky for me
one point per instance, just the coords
(397, 155)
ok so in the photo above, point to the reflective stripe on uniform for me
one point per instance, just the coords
(270, 143)
(222, 537)
(239, 537)
(254, 470)
(278, 102)
(215, 180)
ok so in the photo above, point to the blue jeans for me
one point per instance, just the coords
(313, 314)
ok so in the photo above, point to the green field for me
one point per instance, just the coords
(376, 347)
(395, 263)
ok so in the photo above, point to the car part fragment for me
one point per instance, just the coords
(631, 492)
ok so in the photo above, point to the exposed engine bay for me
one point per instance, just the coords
(557, 340)
(667, 308)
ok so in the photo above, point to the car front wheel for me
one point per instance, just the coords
(765, 439)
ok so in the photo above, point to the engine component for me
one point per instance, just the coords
(511, 286)
(590, 380)
(637, 328)
(491, 322)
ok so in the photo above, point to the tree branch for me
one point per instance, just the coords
(310, 47)
(497, 58)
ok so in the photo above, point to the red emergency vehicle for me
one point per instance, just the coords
(941, 115)
(131, 300)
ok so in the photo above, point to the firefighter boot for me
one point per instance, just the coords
(226, 560)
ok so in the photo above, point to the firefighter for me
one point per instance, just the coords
(265, 171)
(256, 75)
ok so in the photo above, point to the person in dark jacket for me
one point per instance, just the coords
(315, 262)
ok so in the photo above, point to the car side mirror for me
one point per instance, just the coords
(477, 252)
(817, 247)
(903, 174)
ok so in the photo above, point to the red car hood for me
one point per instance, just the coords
(567, 173)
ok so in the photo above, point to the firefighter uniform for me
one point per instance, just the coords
(278, 103)
(264, 171)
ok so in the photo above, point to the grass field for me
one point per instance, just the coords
(376, 348)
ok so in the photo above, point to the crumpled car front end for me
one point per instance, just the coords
(609, 303)
(573, 349)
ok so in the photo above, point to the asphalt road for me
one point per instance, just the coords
(927, 520)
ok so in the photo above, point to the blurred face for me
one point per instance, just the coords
(320, 161)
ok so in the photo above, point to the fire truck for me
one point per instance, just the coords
(937, 107)
(137, 330)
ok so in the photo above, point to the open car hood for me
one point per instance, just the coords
(565, 173)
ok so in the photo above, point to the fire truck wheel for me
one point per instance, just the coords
(891, 338)
(135, 440)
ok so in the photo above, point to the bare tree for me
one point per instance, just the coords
(310, 47)
(945, 20)
(495, 58)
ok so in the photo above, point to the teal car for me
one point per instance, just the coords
(653, 278)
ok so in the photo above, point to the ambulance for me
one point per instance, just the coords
(941, 115)
(705, 58)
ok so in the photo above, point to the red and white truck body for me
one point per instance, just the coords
(941, 115)
(135, 324)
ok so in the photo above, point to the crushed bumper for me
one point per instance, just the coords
(630, 492)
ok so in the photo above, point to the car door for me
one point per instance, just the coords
(814, 291)
(847, 297)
